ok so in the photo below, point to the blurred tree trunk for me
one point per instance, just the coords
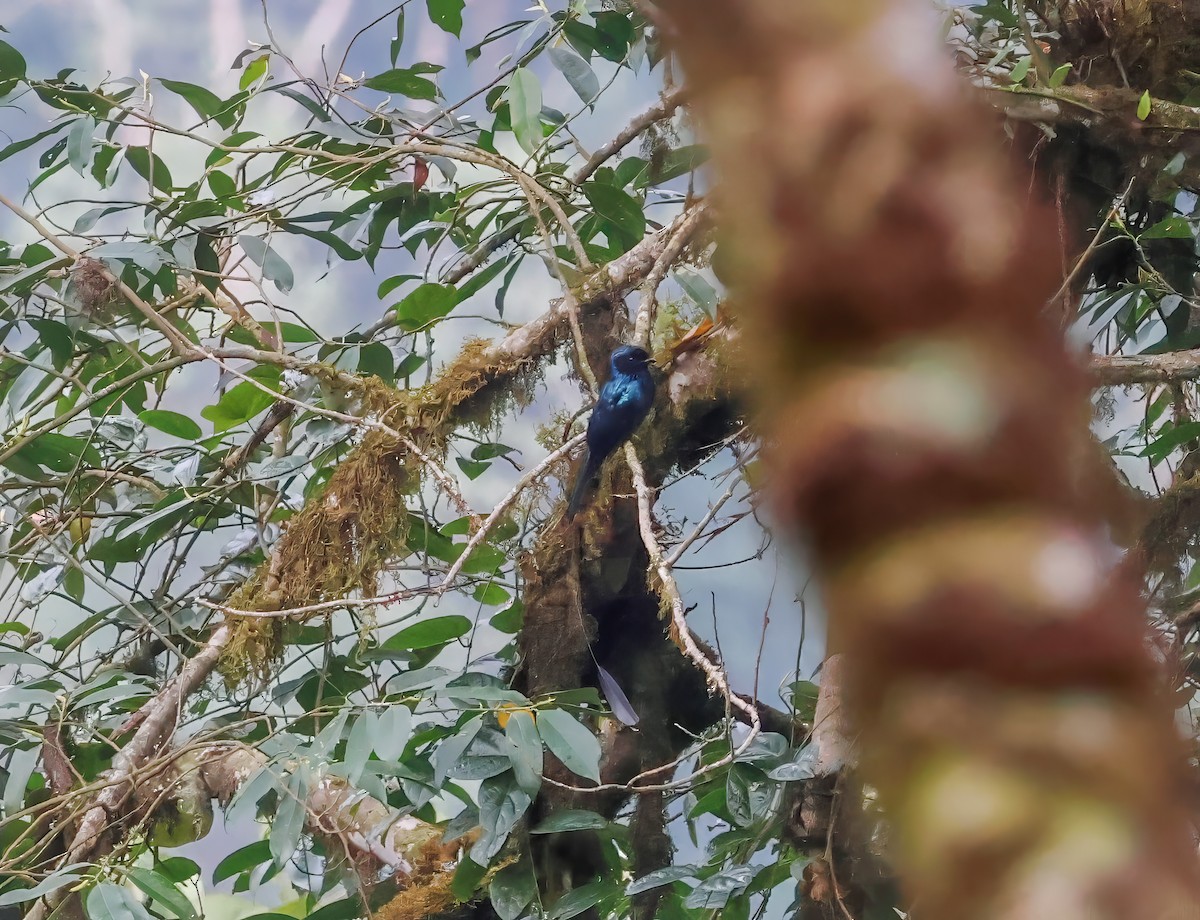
(931, 441)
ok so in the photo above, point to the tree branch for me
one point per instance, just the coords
(162, 713)
(1123, 370)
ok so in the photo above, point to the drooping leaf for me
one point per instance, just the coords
(715, 891)
(404, 83)
(273, 265)
(570, 742)
(431, 632)
(290, 812)
(570, 819)
(618, 207)
(525, 106)
(502, 802)
(511, 889)
(393, 729)
(241, 860)
(660, 877)
(446, 15)
(167, 898)
(207, 104)
(578, 72)
(79, 143)
(577, 900)
(525, 750)
(114, 902)
(427, 303)
(56, 880)
(150, 166)
(12, 67)
(173, 423)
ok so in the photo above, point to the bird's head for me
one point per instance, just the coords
(629, 359)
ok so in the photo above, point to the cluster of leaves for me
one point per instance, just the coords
(128, 493)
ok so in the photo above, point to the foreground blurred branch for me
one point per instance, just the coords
(927, 422)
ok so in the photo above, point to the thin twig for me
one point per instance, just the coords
(523, 483)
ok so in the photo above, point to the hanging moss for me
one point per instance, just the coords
(462, 392)
(339, 543)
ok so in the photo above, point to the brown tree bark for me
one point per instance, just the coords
(929, 432)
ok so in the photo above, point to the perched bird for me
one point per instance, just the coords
(624, 400)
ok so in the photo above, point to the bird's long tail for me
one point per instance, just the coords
(586, 474)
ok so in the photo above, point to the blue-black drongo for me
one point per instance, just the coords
(624, 400)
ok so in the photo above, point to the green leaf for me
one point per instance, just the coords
(427, 303)
(292, 332)
(571, 819)
(589, 38)
(509, 619)
(51, 883)
(1175, 227)
(254, 70)
(273, 265)
(617, 207)
(237, 139)
(240, 404)
(525, 750)
(178, 868)
(677, 162)
(167, 898)
(114, 902)
(502, 802)
(390, 284)
(803, 696)
(617, 30)
(208, 105)
(248, 857)
(1144, 104)
(511, 889)
(446, 15)
(577, 900)
(57, 452)
(1021, 69)
(288, 823)
(660, 877)
(485, 559)
(525, 107)
(450, 751)
(359, 745)
(224, 189)
(15, 148)
(431, 632)
(578, 72)
(12, 67)
(398, 38)
(404, 83)
(173, 423)
(1158, 449)
(491, 595)
(393, 729)
(698, 289)
(473, 469)
(79, 143)
(715, 891)
(344, 909)
(376, 358)
(467, 877)
(150, 167)
(1060, 75)
(570, 742)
